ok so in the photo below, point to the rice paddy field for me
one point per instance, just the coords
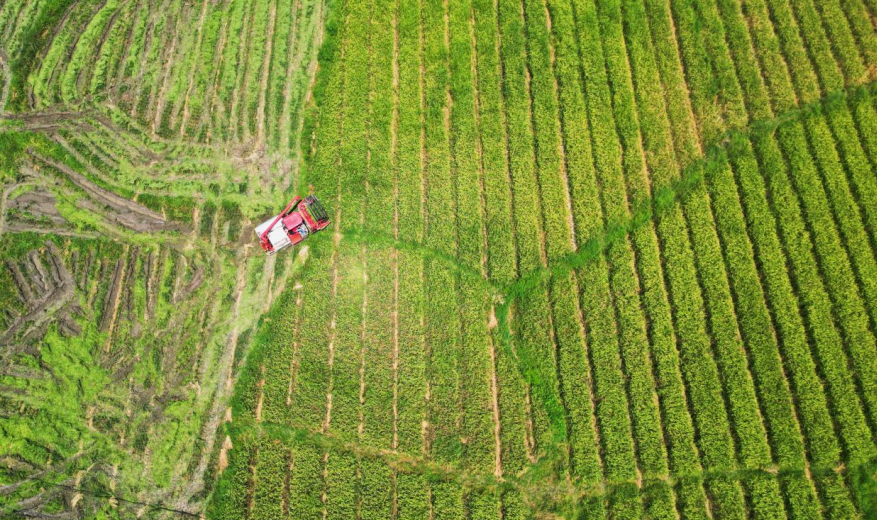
(587, 259)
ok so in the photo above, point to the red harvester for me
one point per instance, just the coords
(293, 224)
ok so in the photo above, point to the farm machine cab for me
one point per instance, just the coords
(293, 224)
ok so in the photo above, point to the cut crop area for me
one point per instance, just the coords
(587, 259)
(131, 288)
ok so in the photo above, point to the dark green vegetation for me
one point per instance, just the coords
(588, 259)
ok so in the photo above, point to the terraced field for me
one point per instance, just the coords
(588, 259)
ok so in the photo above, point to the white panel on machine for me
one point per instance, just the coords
(277, 236)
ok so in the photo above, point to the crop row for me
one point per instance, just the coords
(668, 239)
(236, 70)
(786, 451)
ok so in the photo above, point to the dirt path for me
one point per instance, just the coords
(147, 221)
(7, 81)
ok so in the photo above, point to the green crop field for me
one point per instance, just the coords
(587, 259)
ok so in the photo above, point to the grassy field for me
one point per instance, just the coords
(588, 259)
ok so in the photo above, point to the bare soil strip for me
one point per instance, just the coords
(7, 81)
(44, 308)
(148, 220)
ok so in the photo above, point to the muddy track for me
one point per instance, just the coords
(52, 299)
(147, 221)
(51, 121)
(40, 204)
